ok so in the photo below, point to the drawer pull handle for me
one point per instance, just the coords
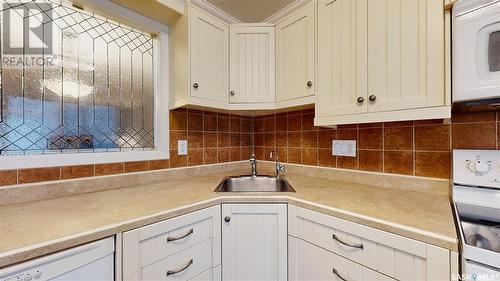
(338, 274)
(170, 239)
(359, 246)
(171, 272)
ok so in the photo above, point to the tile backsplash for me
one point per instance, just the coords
(421, 148)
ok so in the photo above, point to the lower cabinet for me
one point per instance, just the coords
(254, 242)
(182, 248)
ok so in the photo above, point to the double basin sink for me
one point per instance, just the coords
(254, 184)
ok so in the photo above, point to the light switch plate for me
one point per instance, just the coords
(344, 148)
(182, 147)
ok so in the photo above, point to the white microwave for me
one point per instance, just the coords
(476, 50)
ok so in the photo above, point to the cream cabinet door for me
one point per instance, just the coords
(252, 64)
(254, 242)
(342, 57)
(295, 53)
(209, 56)
(405, 54)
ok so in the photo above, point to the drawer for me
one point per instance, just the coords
(310, 262)
(183, 265)
(213, 274)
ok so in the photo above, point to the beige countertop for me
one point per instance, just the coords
(31, 229)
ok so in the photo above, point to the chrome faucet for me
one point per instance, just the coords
(279, 168)
(253, 161)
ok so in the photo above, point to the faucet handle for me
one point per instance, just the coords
(282, 168)
(253, 157)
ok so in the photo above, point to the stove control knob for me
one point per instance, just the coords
(479, 167)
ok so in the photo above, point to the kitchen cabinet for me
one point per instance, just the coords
(295, 52)
(254, 242)
(322, 245)
(381, 60)
(252, 64)
(180, 248)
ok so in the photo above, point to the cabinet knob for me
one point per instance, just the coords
(309, 83)
(360, 99)
(231, 93)
(372, 97)
(195, 85)
(227, 219)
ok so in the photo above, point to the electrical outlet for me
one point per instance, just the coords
(344, 148)
(182, 147)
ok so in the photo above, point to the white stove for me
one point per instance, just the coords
(476, 196)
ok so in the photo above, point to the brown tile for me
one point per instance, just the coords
(246, 125)
(195, 111)
(428, 122)
(281, 139)
(259, 125)
(371, 160)
(39, 174)
(398, 124)
(259, 139)
(223, 155)
(270, 139)
(269, 124)
(235, 139)
(351, 134)
(398, 162)
(175, 136)
(109, 169)
(370, 125)
(474, 136)
(235, 154)
(223, 123)
(370, 138)
(308, 111)
(209, 139)
(209, 122)
(345, 162)
(246, 152)
(223, 140)
(347, 126)
(281, 124)
(159, 164)
(325, 157)
(433, 164)
(235, 124)
(398, 138)
(309, 139)
(435, 137)
(195, 140)
(259, 152)
(177, 160)
(178, 120)
(8, 177)
(308, 122)
(246, 139)
(135, 166)
(294, 139)
(195, 156)
(473, 117)
(310, 156)
(295, 112)
(294, 123)
(282, 153)
(325, 138)
(267, 152)
(294, 155)
(195, 122)
(79, 171)
(210, 155)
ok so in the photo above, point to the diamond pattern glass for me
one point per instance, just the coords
(91, 91)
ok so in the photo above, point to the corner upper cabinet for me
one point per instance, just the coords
(295, 55)
(252, 64)
(199, 60)
(381, 60)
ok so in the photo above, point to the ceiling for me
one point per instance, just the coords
(250, 11)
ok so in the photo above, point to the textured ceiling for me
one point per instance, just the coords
(250, 11)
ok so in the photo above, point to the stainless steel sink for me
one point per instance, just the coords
(254, 184)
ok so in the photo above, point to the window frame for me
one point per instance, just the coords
(161, 106)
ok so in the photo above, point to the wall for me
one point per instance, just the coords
(212, 138)
(421, 148)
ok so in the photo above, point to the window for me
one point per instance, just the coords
(75, 83)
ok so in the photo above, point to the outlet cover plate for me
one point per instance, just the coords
(182, 147)
(344, 148)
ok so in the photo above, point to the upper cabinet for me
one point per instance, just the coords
(252, 64)
(295, 53)
(381, 60)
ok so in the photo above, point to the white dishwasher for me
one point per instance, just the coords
(89, 262)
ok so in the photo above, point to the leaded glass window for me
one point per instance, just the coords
(73, 81)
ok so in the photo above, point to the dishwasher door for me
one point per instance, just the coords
(90, 262)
